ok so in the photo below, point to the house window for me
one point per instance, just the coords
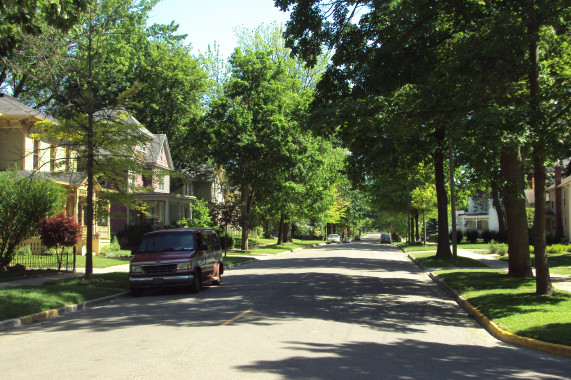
(53, 151)
(131, 178)
(36, 154)
(67, 159)
(161, 183)
(479, 225)
(144, 147)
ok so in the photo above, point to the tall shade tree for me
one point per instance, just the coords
(248, 131)
(92, 97)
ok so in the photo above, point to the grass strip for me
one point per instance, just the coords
(559, 263)
(429, 260)
(231, 260)
(512, 304)
(275, 249)
(26, 300)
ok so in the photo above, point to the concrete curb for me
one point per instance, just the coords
(38, 317)
(491, 327)
(498, 332)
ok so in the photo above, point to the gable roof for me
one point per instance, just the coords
(200, 173)
(12, 108)
(65, 178)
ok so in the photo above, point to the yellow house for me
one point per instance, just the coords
(21, 145)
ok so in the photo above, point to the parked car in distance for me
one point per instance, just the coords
(346, 239)
(385, 238)
(333, 238)
(357, 237)
(183, 257)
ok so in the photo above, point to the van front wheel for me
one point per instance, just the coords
(196, 282)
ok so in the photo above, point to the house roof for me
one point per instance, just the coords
(12, 108)
(199, 173)
(70, 178)
(120, 116)
(157, 145)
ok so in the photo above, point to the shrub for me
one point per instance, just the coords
(227, 241)
(59, 231)
(132, 235)
(487, 236)
(23, 251)
(459, 236)
(531, 249)
(556, 248)
(112, 247)
(501, 237)
(568, 248)
(472, 236)
(497, 249)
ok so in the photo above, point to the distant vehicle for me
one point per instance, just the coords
(333, 238)
(357, 237)
(183, 257)
(347, 239)
(386, 238)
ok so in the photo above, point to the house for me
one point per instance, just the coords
(21, 145)
(557, 208)
(480, 216)
(166, 200)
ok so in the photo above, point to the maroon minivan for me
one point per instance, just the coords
(184, 257)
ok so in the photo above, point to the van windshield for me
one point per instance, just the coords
(167, 242)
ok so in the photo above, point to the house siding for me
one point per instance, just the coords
(11, 153)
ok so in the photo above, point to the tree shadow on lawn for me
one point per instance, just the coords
(405, 359)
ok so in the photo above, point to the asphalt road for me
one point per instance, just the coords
(348, 311)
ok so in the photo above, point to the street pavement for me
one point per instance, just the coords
(348, 311)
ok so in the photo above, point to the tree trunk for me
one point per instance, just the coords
(543, 282)
(416, 217)
(280, 228)
(514, 202)
(443, 249)
(499, 209)
(245, 215)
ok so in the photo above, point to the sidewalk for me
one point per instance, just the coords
(559, 282)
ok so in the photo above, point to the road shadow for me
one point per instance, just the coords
(406, 359)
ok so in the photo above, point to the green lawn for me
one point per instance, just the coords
(26, 300)
(429, 260)
(559, 263)
(101, 261)
(416, 248)
(512, 304)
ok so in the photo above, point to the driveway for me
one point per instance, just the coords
(349, 311)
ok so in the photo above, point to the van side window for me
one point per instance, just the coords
(199, 240)
(217, 245)
(208, 241)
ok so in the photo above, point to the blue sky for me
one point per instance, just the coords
(206, 21)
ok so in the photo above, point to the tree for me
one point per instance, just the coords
(23, 203)
(91, 100)
(200, 215)
(59, 231)
(424, 199)
(248, 132)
